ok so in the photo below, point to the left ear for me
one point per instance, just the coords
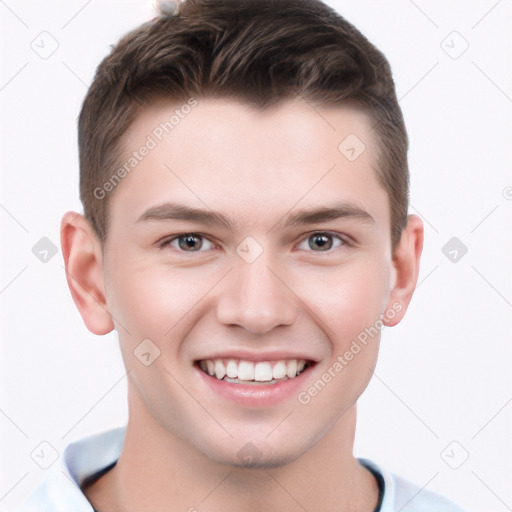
(406, 263)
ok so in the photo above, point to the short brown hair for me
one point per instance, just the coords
(258, 51)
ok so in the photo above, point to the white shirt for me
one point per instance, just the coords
(60, 492)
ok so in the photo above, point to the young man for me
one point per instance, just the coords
(244, 177)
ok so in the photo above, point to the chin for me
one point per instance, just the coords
(258, 454)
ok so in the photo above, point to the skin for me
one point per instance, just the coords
(182, 442)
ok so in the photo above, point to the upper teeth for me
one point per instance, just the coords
(262, 371)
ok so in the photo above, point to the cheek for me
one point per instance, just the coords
(141, 302)
(155, 302)
(348, 304)
(350, 299)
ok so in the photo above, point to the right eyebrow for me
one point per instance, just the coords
(175, 211)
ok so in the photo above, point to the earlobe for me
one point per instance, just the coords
(406, 265)
(83, 260)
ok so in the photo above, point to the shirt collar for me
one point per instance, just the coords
(84, 458)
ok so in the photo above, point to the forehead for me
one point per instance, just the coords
(250, 163)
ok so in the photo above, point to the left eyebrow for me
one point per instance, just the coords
(328, 213)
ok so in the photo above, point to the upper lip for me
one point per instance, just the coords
(274, 355)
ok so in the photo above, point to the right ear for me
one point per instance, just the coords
(83, 260)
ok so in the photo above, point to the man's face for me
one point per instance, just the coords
(288, 265)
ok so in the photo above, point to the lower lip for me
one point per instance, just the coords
(256, 395)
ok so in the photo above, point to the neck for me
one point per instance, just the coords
(156, 469)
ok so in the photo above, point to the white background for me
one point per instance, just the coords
(444, 374)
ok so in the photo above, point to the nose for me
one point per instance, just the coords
(257, 298)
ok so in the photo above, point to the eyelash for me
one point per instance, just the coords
(343, 241)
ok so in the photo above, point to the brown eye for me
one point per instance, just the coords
(322, 242)
(190, 242)
(187, 242)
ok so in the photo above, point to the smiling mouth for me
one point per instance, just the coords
(239, 371)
